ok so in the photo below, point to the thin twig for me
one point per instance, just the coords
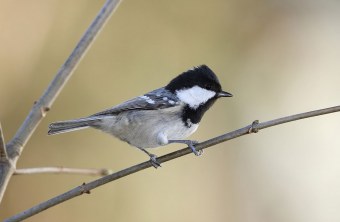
(44, 103)
(62, 170)
(85, 188)
(40, 108)
(3, 151)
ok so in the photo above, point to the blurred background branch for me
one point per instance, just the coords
(85, 188)
(16, 145)
(3, 152)
(62, 170)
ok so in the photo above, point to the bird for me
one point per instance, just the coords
(163, 116)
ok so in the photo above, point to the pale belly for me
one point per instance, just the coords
(147, 128)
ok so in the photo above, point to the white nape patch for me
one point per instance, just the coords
(193, 68)
(195, 96)
(165, 98)
(147, 99)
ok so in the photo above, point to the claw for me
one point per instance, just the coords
(193, 149)
(191, 145)
(153, 159)
(154, 162)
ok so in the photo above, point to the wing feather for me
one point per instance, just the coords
(157, 99)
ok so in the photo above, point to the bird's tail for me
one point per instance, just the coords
(72, 125)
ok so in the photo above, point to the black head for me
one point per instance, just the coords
(198, 88)
(201, 76)
(198, 76)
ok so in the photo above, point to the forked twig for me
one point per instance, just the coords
(42, 106)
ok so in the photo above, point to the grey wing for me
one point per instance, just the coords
(157, 99)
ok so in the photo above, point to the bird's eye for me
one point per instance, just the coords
(208, 87)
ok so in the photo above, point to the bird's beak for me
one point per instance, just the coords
(224, 94)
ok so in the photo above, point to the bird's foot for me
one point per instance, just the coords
(191, 144)
(193, 148)
(153, 159)
(154, 162)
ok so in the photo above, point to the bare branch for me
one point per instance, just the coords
(45, 102)
(42, 106)
(3, 152)
(85, 188)
(62, 170)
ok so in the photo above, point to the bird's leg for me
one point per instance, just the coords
(153, 158)
(190, 144)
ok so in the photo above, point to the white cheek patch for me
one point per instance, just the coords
(195, 96)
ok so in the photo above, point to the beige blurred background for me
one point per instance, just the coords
(277, 58)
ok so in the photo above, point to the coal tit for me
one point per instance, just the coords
(165, 115)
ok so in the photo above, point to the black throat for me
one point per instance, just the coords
(194, 116)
